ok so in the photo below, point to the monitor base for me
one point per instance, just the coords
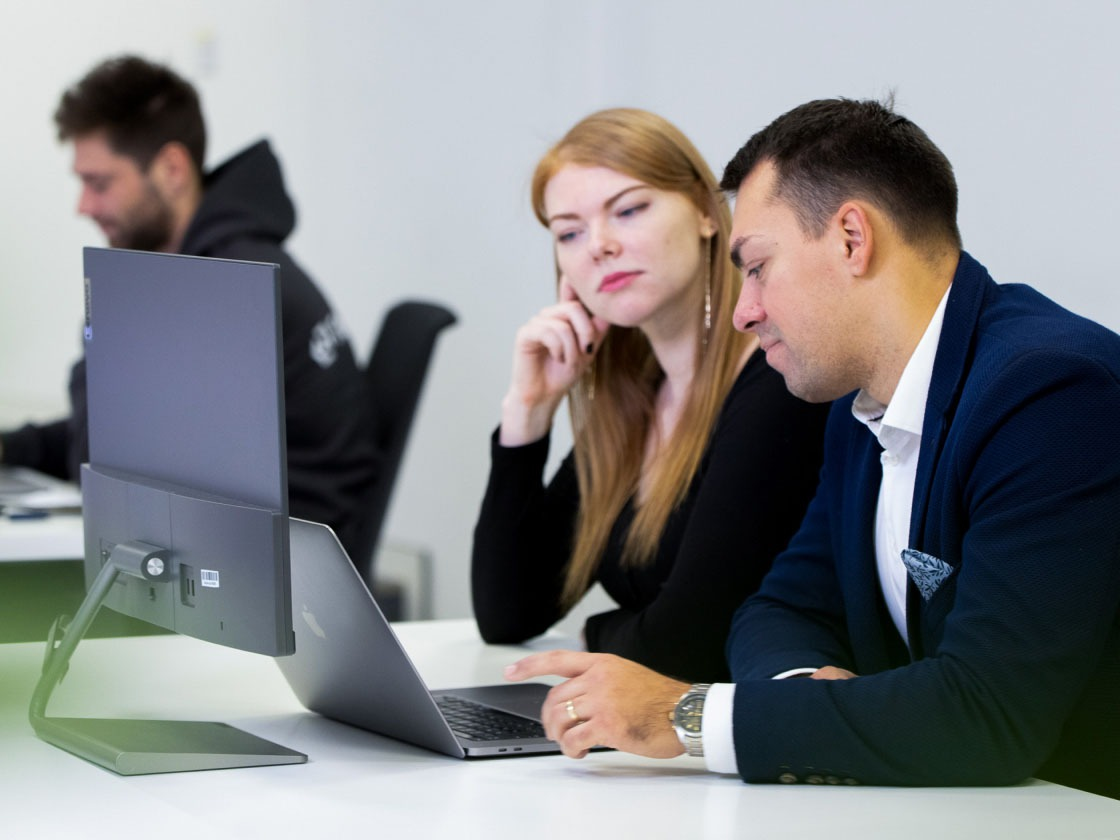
(139, 747)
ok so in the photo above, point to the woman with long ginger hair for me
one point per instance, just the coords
(684, 439)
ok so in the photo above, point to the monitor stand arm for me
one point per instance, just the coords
(64, 636)
(134, 747)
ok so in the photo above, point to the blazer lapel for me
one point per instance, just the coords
(950, 367)
(870, 626)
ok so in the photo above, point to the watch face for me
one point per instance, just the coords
(690, 716)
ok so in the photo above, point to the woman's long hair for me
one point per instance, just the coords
(612, 406)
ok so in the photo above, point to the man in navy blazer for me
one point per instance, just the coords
(953, 594)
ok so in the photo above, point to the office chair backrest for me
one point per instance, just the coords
(394, 379)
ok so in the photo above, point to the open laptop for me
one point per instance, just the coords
(350, 666)
(23, 488)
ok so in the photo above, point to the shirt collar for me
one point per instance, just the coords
(908, 405)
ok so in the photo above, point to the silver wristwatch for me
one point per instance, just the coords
(688, 716)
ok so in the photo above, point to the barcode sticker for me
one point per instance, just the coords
(209, 577)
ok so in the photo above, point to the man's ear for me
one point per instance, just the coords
(172, 169)
(856, 235)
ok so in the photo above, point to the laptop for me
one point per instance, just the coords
(27, 489)
(350, 666)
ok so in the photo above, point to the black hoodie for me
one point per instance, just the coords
(246, 214)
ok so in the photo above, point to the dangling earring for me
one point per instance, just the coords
(707, 299)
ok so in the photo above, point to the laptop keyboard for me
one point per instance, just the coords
(477, 722)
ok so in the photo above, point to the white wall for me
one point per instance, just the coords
(408, 129)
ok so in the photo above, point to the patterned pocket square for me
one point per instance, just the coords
(927, 572)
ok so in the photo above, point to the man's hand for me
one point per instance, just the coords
(607, 701)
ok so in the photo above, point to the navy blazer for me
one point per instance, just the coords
(1013, 666)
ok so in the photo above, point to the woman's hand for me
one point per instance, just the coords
(550, 353)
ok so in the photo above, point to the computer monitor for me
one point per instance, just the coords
(184, 498)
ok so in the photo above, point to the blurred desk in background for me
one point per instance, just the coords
(41, 577)
(54, 537)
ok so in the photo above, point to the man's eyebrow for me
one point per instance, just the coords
(610, 202)
(736, 260)
(737, 246)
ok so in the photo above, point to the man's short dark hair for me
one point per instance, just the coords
(830, 151)
(141, 106)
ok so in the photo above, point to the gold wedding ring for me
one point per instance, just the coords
(571, 707)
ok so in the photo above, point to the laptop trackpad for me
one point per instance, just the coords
(523, 699)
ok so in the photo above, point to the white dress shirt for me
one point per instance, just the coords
(898, 428)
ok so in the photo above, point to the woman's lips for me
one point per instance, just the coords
(617, 280)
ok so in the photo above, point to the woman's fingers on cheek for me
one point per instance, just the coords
(561, 340)
(552, 345)
(589, 338)
(562, 345)
(586, 332)
(590, 330)
(565, 291)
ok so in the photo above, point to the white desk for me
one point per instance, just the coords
(359, 784)
(41, 575)
(55, 537)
